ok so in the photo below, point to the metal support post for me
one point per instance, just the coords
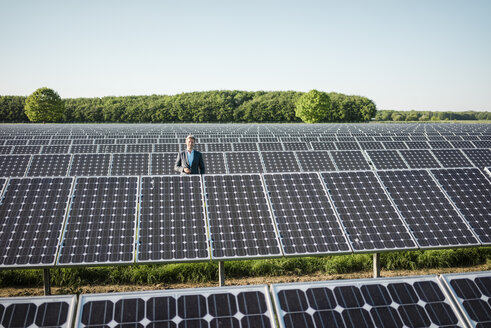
(376, 265)
(221, 274)
(47, 282)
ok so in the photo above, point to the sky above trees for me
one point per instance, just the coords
(421, 55)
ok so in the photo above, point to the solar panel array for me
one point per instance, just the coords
(118, 200)
(449, 300)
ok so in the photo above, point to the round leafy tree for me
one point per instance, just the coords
(44, 105)
(313, 107)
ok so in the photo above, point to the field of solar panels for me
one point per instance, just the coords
(107, 194)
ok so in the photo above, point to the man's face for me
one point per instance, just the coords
(190, 143)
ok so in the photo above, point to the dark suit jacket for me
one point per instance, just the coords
(182, 162)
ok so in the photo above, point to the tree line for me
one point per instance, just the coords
(207, 106)
(424, 116)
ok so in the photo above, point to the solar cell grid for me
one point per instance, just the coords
(417, 145)
(386, 159)
(462, 144)
(389, 302)
(239, 217)
(479, 157)
(324, 145)
(235, 306)
(55, 149)
(268, 146)
(14, 165)
(163, 163)
(139, 148)
(304, 217)
(366, 212)
(394, 145)
(440, 144)
(15, 142)
(20, 150)
(49, 165)
(421, 158)
(172, 224)
(296, 146)
(482, 143)
(129, 164)
(219, 147)
(315, 161)
(244, 162)
(350, 160)
(83, 141)
(347, 145)
(244, 146)
(214, 163)
(280, 161)
(469, 190)
(38, 142)
(101, 223)
(428, 213)
(90, 164)
(45, 311)
(451, 158)
(112, 148)
(371, 145)
(4, 150)
(166, 148)
(32, 212)
(79, 149)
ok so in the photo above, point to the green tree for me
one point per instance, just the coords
(313, 106)
(44, 105)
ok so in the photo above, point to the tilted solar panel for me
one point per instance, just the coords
(49, 165)
(163, 163)
(470, 191)
(130, 164)
(451, 158)
(284, 161)
(420, 158)
(214, 163)
(244, 162)
(366, 212)
(479, 157)
(14, 165)
(90, 164)
(235, 306)
(239, 217)
(383, 302)
(350, 160)
(172, 223)
(306, 221)
(428, 213)
(101, 222)
(44, 311)
(32, 212)
(472, 292)
(386, 159)
(315, 161)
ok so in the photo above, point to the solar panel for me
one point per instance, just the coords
(470, 191)
(54, 149)
(214, 163)
(462, 144)
(296, 146)
(265, 146)
(417, 145)
(366, 212)
(244, 162)
(239, 217)
(166, 148)
(219, 147)
(451, 158)
(371, 145)
(14, 165)
(480, 157)
(482, 143)
(347, 145)
(421, 158)
(19, 150)
(48, 165)
(129, 164)
(44, 311)
(139, 148)
(83, 149)
(386, 159)
(4, 150)
(388, 302)
(101, 222)
(244, 146)
(350, 160)
(430, 216)
(112, 148)
(394, 145)
(235, 306)
(323, 145)
(32, 212)
(315, 161)
(172, 224)
(90, 164)
(280, 161)
(163, 163)
(304, 217)
(472, 292)
(440, 144)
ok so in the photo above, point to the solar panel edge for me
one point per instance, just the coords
(72, 301)
(445, 280)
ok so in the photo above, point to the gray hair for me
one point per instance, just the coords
(191, 137)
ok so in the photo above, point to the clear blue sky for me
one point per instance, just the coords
(418, 54)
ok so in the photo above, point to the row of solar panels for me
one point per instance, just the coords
(101, 140)
(246, 146)
(449, 300)
(151, 219)
(240, 162)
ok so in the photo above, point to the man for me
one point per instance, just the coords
(190, 161)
